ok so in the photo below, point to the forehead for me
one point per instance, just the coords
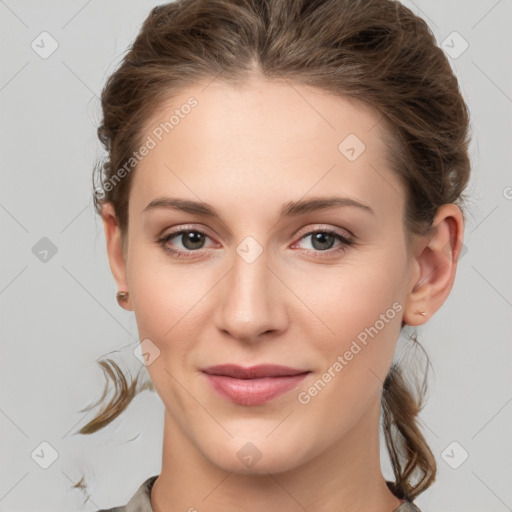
(264, 139)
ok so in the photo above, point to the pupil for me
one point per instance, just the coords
(192, 240)
(322, 241)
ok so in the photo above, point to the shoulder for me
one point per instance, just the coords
(406, 506)
(140, 501)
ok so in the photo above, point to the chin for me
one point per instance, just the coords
(261, 468)
(256, 457)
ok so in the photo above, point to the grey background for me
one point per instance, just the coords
(59, 316)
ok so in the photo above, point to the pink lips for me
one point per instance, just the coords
(254, 385)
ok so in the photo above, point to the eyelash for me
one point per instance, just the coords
(345, 243)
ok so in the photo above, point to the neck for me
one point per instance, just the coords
(345, 477)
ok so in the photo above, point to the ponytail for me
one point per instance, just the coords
(124, 393)
(407, 448)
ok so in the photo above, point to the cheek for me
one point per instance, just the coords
(363, 307)
(365, 315)
(164, 294)
(357, 299)
(166, 299)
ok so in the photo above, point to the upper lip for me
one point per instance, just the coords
(252, 372)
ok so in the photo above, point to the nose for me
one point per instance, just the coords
(251, 300)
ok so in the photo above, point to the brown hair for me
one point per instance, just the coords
(375, 51)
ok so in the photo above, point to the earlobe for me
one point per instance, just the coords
(436, 264)
(114, 250)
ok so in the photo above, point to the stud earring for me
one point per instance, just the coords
(122, 297)
(422, 313)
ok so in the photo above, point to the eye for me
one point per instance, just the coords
(323, 240)
(191, 240)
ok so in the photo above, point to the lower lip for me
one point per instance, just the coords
(253, 391)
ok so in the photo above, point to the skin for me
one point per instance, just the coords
(248, 151)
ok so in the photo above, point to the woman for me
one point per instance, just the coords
(282, 197)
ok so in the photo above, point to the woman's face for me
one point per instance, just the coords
(267, 280)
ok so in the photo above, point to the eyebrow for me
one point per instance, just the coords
(290, 209)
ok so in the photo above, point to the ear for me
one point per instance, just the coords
(115, 250)
(436, 257)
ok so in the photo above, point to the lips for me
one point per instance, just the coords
(255, 385)
(253, 372)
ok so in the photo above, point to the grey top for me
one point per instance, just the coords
(140, 501)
